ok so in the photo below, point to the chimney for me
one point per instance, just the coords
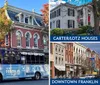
(5, 2)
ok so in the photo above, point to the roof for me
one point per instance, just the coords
(13, 12)
(70, 5)
(65, 4)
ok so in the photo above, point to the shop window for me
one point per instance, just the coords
(28, 36)
(36, 40)
(19, 38)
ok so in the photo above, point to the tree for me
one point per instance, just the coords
(45, 16)
(5, 25)
(45, 13)
(96, 12)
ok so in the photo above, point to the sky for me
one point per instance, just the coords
(93, 46)
(37, 5)
(77, 2)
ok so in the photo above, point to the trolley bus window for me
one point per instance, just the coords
(41, 60)
(46, 60)
(35, 59)
(23, 59)
(11, 58)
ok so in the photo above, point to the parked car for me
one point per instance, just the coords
(89, 76)
(82, 77)
(97, 77)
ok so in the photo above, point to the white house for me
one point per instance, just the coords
(66, 15)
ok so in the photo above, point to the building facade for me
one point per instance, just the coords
(57, 60)
(79, 54)
(66, 16)
(26, 34)
(88, 61)
(69, 60)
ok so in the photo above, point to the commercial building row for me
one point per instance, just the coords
(72, 60)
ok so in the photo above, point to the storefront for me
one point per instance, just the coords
(69, 71)
(60, 72)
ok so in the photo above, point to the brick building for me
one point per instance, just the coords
(69, 61)
(27, 34)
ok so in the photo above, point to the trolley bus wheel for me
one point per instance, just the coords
(37, 76)
(22, 78)
(1, 78)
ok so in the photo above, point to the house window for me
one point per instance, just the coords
(26, 19)
(28, 36)
(51, 25)
(22, 18)
(56, 60)
(59, 60)
(80, 22)
(44, 40)
(62, 60)
(7, 40)
(19, 38)
(56, 48)
(71, 12)
(51, 16)
(58, 24)
(36, 38)
(71, 24)
(54, 13)
(58, 12)
(31, 20)
(17, 18)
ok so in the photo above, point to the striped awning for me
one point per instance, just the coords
(30, 53)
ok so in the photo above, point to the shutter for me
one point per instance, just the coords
(68, 23)
(73, 24)
(73, 12)
(68, 12)
(59, 12)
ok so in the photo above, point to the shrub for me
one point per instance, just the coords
(69, 32)
(90, 31)
(86, 29)
(57, 31)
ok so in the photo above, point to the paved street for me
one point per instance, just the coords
(25, 82)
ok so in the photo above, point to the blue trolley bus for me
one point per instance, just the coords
(22, 64)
